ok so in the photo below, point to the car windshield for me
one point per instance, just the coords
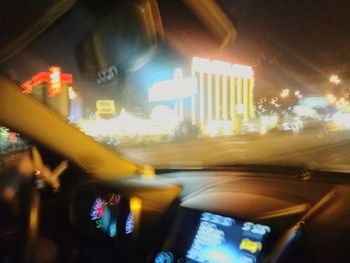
(200, 83)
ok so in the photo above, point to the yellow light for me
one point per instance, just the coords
(249, 245)
(342, 103)
(201, 97)
(334, 79)
(284, 93)
(331, 98)
(210, 103)
(135, 210)
(128, 126)
(135, 204)
(224, 98)
(148, 172)
(245, 99)
(55, 74)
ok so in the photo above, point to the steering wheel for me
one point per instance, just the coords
(29, 204)
(29, 215)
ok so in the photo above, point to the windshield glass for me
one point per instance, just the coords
(199, 83)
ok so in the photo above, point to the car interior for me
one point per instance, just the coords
(97, 205)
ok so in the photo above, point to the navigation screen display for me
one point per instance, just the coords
(203, 237)
(222, 239)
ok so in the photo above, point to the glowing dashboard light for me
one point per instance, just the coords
(97, 209)
(135, 210)
(135, 204)
(130, 223)
(251, 246)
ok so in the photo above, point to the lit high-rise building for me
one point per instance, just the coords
(217, 94)
(225, 91)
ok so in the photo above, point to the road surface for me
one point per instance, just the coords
(313, 148)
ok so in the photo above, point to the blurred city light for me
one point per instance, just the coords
(55, 81)
(72, 94)
(164, 115)
(334, 79)
(284, 93)
(298, 94)
(172, 89)
(267, 122)
(330, 98)
(274, 102)
(126, 127)
(342, 119)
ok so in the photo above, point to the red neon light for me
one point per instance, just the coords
(27, 87)
(12, 137)
(55, 81)
(54, 78)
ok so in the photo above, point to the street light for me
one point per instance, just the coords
(331, 98)
(284, 93)
(334, 79)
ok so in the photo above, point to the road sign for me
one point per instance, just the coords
(105, 107)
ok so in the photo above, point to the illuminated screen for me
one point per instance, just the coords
(222, 239)
(203, 237)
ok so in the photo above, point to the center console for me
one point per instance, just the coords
(203, 237)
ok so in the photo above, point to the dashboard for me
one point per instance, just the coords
(213, 216)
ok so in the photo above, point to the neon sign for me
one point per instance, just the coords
(54, 79)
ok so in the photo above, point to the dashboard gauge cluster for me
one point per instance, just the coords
(102, 214)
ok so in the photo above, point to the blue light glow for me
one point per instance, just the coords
(113, 229)
(129, 225)
(164, 257)
(219, 254)
(221, 239)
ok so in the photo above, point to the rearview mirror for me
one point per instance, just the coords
(124, 41)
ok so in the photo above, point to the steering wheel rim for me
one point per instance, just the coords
(29, 215)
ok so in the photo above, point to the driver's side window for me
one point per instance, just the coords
(12, 145)
(13, 148)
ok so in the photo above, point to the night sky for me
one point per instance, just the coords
(295, 44)
(290, 43)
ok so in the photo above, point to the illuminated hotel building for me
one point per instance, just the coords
(217, 93)
(225, 92)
